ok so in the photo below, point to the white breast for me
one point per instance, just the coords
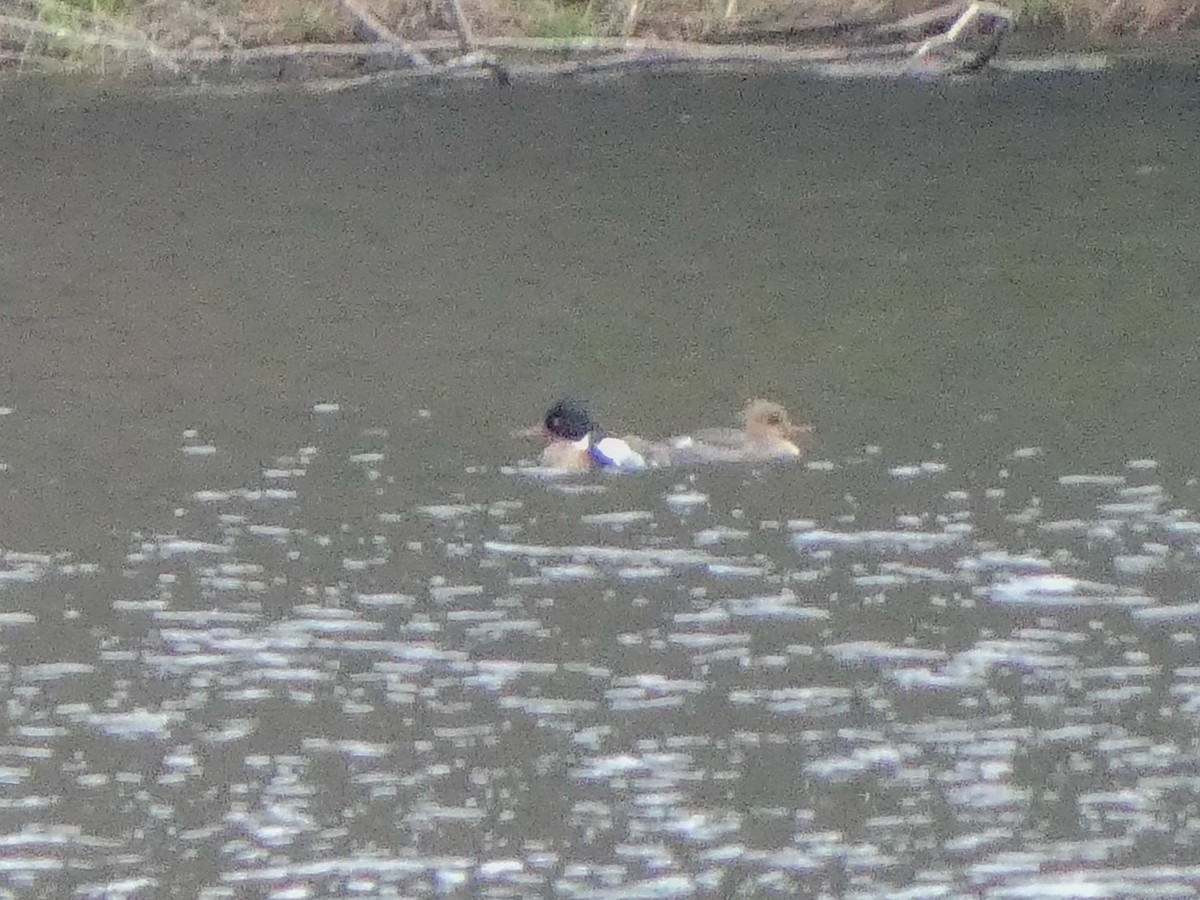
(614, 453)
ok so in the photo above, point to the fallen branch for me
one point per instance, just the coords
(594, 51)
(466, 39)
(990, 19)
(921, 22)
(686, 49)
(368, 24)
(533, 43)
(631, 17)
(289, 51)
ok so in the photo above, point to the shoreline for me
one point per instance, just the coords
(949, 39)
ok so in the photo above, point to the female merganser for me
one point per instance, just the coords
(576, 441)
(768, 434)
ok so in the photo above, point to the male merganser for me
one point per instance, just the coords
(769, 433)
(576, 441)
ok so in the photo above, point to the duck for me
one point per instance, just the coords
(575, 442)
(768, 433)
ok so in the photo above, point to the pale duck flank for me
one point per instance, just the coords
(614, 453)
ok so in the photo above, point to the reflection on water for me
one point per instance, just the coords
(279, 618)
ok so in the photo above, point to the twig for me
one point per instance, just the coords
(969, 61)
(525, 43)
(288, 51)
(631, 17)
(371, 25)
(601, 47)
(466, 40)
(918, 22)
(467, 61)
(1110, 14)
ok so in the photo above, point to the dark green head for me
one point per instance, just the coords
(569, 420)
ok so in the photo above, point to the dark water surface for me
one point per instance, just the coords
(277, 617)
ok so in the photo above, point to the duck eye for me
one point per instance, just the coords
(773, 419)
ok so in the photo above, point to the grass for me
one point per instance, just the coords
(558, 21)
(87, 32)
(1112, 17)
(307, 21)
(1040, 13)
(109, 8)
(77, 14)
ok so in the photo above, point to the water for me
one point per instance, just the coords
(282, 616)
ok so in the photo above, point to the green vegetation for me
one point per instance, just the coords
(308, 21)
(559, 21)
(1040, 13)
(79, 14)
(74, 30)
(94, 7)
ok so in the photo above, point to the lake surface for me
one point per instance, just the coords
(282, 615)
